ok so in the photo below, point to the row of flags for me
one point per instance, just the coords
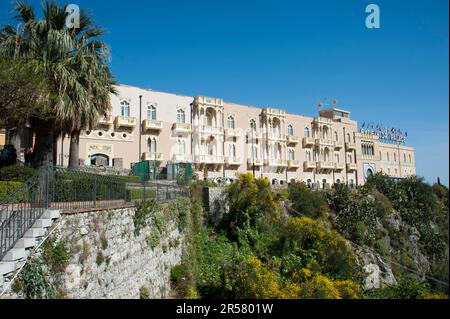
(386, 134)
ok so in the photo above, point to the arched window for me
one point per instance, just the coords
(381, 156)
(230, 122)
(404, 158)
(291, 155)
(181, 146)
(151, 112)
(410, 158)
(181, 116)
(306, 131)
(152, 145)
(348, 138)
(395, 157)
(336, 136)
(387, 156)
(290, 130)
(124, 108)
(349, 158)
(231, 149)
(253, 125)
(336, 157)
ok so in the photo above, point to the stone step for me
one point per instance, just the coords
(7, 267)
(15, 254)
(43, 223)
(51, 214)
(35, 232)
(25, 242)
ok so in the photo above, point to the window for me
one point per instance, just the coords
(152, 145)
(410, 158)
(124, 108)
(253, 125)
(308, 156)
(336, 157)
(151, 112)
(231, 150)
(306, 131)
(336, 136)
(291, 155)
(381, 157)
(349, 158)
(290, 130)
(404, 158)
(387, 156)
(348, 138)
(181, 146)
(181, 116)
(395, 157)
(230, 122)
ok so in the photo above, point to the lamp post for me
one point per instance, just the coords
(140, 127)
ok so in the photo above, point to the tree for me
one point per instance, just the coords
(74, 64)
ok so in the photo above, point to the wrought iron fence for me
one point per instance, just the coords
(65, 189)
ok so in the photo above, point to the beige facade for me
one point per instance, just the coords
(226, 139)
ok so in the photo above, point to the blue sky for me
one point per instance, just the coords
(290, 54)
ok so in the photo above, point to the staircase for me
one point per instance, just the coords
(17, 256)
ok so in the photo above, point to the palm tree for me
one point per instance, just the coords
(73, 61)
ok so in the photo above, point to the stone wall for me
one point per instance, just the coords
(214, 200)
(107, 259)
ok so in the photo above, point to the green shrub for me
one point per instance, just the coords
(55, 255)
(138, 193)
(144, 212)
(16, 173)
(153, 238)
(11, 188)
(144, 293)
(306, 202)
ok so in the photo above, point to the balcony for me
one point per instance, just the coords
(148, 156)
(338, 145)
(324, 142)
(274, 112)
(350, 146)
(293, 163)
(208, 101)
(258, 161)
(352, 167)
(210, 130)
(308, 141)
(322, 120)
(125, 121)
(233, 160)
(292, 139)
(181, 158)
(325, 165)
(233, 132)
(339, 166)
(276, 137)
(308, 165)
(255, 135)
(106, 121)
(275, 162)
(182, 127)
(152, 125)
(209, 159)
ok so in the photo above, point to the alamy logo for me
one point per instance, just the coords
(73, 17)
(373, 19)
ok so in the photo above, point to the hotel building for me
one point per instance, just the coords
(226, 139)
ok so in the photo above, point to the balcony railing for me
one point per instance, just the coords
(350, 146)
(339, 166)
(125, 121)
(211, 129)
(275, 112)
(308, 165)
(276, 136)
(293, 163)
(308, 141)
(338, 145)
(352, 167)
(255, 135)
(182, 127)
(257, 161)
(233, 160)
(233, 132)
(107, 120)
(324, 142)
(292, 139)
(276, 162)
(209, 159)
(325, 165)
(149, 156)
(322, 120)
(181, 158)
(153, 125)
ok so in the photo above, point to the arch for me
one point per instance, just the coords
(309, 183)
(348, 138)
(99, 159)
(306, 131)
(124, 108)
(252, 124)
(152, 145)
(336, 137)
(290, 130)
(181, 116)
(151, 112)
(230, 122)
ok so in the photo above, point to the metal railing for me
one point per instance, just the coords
(65, 189)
